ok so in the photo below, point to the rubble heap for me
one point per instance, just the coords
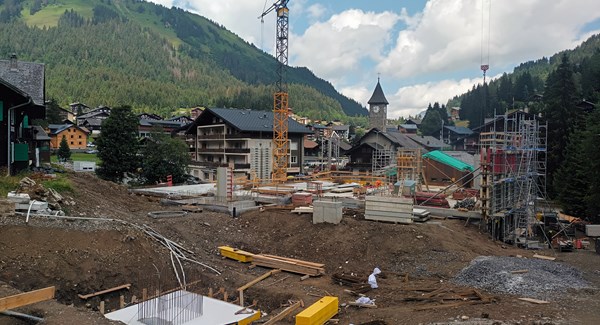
(520, 276)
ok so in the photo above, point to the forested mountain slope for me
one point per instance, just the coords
(157, 59)
(525, 86)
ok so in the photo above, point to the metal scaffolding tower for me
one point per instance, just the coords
(513, 187)
(330, 149)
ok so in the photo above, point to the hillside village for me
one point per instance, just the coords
(121, 215)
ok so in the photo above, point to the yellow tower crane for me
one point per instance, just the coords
(280, 98)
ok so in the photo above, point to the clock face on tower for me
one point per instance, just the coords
(376, 109)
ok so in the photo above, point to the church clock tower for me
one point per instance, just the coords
(378, 109)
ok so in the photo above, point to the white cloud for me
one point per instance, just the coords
(447, 36)
(414, 99)
(316, 11)
(334, 48)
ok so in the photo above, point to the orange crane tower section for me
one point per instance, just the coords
(280, 98)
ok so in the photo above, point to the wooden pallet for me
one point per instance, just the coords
(289, 264)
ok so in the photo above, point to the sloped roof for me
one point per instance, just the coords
(28, 77)
(164, 123)
(461, 130)
(402, 139)
(445, 159)
(409, 126)
(427, 141)
(415, 121)
(39, 133)
(463, 156)
(246, 120)
(378, 97)
(309, 144)
(58, 128)
(92, 114)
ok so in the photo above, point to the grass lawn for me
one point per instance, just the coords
(79, 156)
(49, 15)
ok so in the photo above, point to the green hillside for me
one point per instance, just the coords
(154, 58)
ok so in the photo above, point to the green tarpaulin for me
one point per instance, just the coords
(445, 159)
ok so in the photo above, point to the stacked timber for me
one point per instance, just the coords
(289, 264)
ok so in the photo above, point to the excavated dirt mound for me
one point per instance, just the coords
(81, 257)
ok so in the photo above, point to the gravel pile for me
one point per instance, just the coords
(542, 280)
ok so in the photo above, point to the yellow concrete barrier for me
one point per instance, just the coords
(319, 312)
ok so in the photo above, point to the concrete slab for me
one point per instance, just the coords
(214, 312)
(189, 190)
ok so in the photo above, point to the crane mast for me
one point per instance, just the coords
(280, 98)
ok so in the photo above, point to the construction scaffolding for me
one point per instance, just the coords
(410, 166)
(330, 150)
(513, 186)
(383, 162)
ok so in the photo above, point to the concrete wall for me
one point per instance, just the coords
(389, 208)
(325, 211)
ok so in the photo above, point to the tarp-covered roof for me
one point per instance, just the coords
(445, 159)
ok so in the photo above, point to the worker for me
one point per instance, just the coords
(372, 279)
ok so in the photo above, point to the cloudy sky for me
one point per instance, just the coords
(423, 50)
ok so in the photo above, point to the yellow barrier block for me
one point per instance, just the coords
(249, 320)
(319, 312)
(236, 254)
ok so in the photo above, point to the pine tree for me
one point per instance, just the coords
(163, 156)
(64, 152)
(560, 98)
(118, 144)
(432, 123)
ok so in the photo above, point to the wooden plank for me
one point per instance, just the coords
(358, 304)
(257, 280)
(286, 312)
(542, 257)
(27, 298)
(535, 301)
(88, 296)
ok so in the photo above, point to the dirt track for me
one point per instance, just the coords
(82, 257)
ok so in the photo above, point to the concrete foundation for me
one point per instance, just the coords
(329, 212)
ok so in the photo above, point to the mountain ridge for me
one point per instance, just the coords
(108, 44)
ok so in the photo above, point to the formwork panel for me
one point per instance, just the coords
(319, 312)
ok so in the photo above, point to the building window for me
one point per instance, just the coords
(294, 159)
(79, 142)
(71, 142)
(71, 136)
(80, 138)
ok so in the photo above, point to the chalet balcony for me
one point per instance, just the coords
(215, 164)
(220, 136)
(221, 150)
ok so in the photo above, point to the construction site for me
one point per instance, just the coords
(399, 235)
(304, 250)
